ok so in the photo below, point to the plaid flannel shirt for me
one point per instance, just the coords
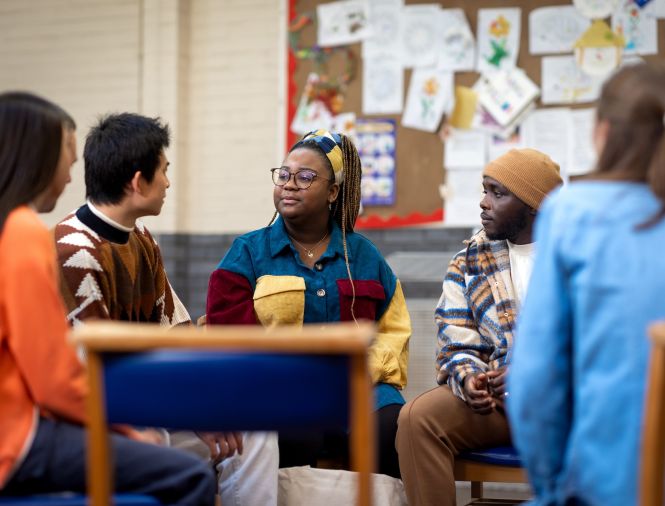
(476, 312)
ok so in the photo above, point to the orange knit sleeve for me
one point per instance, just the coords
(37, 335)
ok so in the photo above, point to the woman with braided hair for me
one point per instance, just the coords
(309, 266)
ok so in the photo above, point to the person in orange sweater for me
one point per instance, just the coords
(42, 382)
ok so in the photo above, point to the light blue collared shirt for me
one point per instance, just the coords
(577, 378)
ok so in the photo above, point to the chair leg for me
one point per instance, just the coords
(476, 489)
(362, 428)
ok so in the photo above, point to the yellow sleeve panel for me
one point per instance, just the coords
(389, 355)
(279, 300)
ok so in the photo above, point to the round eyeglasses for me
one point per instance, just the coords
(303, 177)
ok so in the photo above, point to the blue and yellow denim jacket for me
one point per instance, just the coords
(262, 280)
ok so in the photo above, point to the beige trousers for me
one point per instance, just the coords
(432, 429)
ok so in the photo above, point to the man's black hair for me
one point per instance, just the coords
(116, 148)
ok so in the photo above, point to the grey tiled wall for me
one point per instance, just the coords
(418, 256)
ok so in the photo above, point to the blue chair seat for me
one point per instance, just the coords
(140, 389)
(499, 455)
(77, 500)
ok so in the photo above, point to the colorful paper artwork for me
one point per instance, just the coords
(383, 85)
(430, 95)
(498, 38)
(375, 140)
(343, 22)
(599, 50)
(312, 112)
(595, 9)
(639, 29)
(484, 121)
(555, 29)
(498, 146)
(344, 123)
(506, 94)
(563, 82)
(420, 35)
(458, 48)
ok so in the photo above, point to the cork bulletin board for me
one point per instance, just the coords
(419, 154)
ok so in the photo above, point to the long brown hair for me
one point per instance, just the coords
(632, 103)
(31, 130)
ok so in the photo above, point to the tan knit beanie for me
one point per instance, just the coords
(527, 173)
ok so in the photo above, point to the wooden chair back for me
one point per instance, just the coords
(117, 351)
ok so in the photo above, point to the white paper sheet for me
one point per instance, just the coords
(342, 22)
(631, 59)
(498, 37)
(655, 8)
(383, 85)
(555, 29)
(638, 28)
(548, 131)
(385, 24)
(421, 43)
(458, 48)
(429, 96)
(582, 154)
(496, 146)
(595, 9)
(483, 120)
(564, 83)
(462, 194)
(465, 149)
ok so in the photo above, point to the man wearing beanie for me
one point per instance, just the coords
(476, 316)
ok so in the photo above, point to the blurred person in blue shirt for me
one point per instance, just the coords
(577, 380)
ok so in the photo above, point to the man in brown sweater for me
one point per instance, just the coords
(111, 268)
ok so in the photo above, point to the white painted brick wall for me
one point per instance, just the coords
(82, 54)
(235, 113)
(214, 69)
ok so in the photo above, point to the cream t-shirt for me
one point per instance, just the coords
(521, 266)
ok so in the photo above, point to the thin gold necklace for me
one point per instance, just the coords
(310, 252)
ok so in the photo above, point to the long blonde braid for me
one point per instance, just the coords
(347, 214)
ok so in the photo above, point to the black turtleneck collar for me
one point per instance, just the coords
(108, 232)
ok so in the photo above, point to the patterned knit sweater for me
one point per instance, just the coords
(113, 274)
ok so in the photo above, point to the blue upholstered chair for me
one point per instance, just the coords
(76, 500)
(258, 379)
(500, 464)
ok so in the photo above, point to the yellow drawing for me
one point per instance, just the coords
(431, 87)
(598, 51)
(500, 27)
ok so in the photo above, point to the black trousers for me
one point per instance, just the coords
(56, 463)
(306, 448)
